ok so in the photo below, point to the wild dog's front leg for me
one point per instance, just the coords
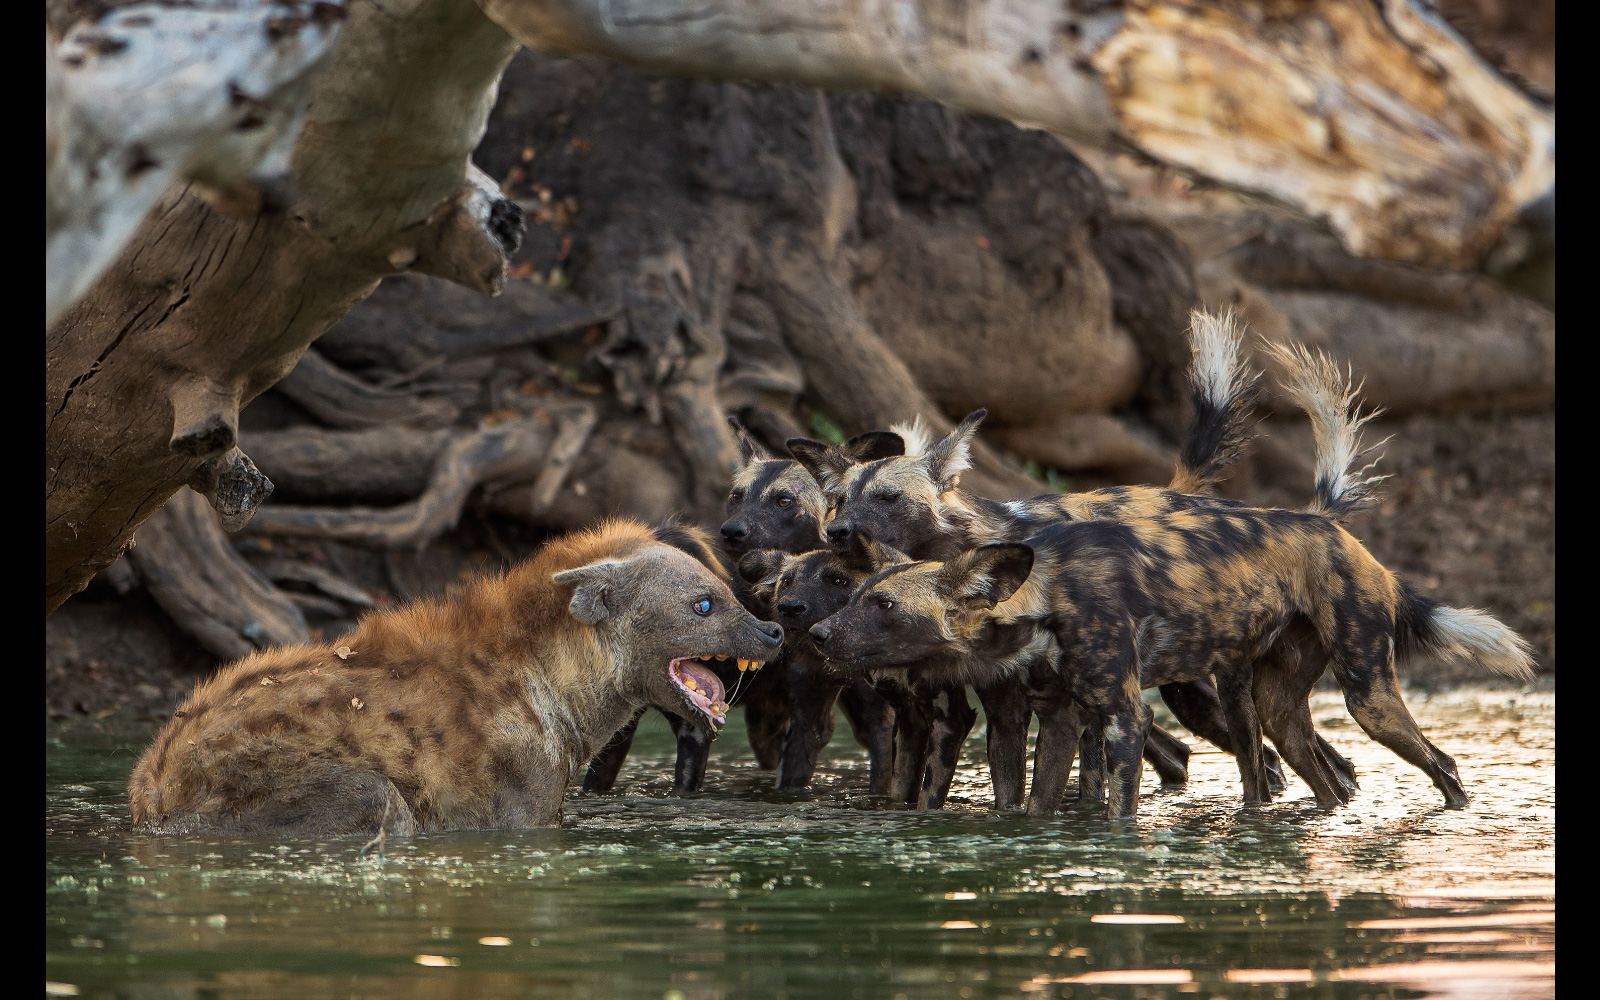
(872, 720)
(911, 724)
(1124, 733)
(607, 764)
(1092, 759)
(1053, 751)
(1234, 686)
(1168, 755)
(952, 718)
(812, 693)
(694, 749)
(766, 714)
(1005, 707)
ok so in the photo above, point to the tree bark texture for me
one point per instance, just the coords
(205, 308)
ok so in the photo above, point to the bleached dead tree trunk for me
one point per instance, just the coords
(1373, 117)
(208, 305)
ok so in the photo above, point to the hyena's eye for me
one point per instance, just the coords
(702, 607)
(783, 500)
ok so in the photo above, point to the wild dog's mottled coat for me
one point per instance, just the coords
(467, 712)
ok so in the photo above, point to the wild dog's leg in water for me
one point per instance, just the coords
(1053, 750)
(1284, 677)
(1372, 693)
(1127, 722)
(1195, 704)
(766, 714)
(694, 748)
(952, 719)
(1168, 755)
(607, 764)
(911, 724)
(1006, 711)
(812, 693)
(872, 719)
(1092, 759)
(1239, 705)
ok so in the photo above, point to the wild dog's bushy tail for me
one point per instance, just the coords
(1424, 626)
(1223, 391)
(1317, 385)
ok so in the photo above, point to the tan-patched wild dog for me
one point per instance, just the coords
(468, 712)
(903, 490)
(1147, 601)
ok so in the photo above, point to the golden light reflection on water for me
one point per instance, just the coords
(746, 892)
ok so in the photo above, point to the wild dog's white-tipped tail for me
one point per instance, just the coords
(1425, 626)
(915, 434)
(1470, 634)
(1317, 385)
(1222, 390)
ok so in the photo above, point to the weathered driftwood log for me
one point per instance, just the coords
(1374, 116)
(158, 92)
(192, 571)
(207, 309)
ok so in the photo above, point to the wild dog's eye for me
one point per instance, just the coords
(737, 496)
(702, 607)
(885, 603)
(784, 500)
(838, 581)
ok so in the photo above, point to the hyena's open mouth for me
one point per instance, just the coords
(702, 688)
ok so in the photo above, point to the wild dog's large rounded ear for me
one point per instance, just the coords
(987, 575)
(824, 462)
(761, 567)
(750, 450)
(873, 445)
(951, 455)
(589, 586)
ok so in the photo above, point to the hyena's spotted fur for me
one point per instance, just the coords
(468, 712)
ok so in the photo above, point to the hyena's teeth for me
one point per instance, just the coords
(691, 684)
(721, 657)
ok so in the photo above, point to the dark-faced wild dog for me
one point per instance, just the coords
(809, 587)
(469, 712)
(1148, 601)
(904, 492)
(763, 695)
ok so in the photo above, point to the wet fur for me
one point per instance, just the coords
(467, 712)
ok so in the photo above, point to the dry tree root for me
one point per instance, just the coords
(536, 449)
(339, 399)
(192, 571)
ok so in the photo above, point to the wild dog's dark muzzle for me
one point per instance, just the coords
(733, 531)
(791, 608)
(840, 531)
(819, 633)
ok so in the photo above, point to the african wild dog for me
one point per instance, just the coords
(469, 712)
(904, 492)
(774, 506)
(762, 695)
(809, 587)
(1153, 600)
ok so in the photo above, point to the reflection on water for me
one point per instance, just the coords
(747, 892)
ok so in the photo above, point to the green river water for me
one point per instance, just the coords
(745, 892)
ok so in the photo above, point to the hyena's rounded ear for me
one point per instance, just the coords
(987, 575)
(951, 455)
(873, 445)
(761, 567)
(590, 585)
(750, 450)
